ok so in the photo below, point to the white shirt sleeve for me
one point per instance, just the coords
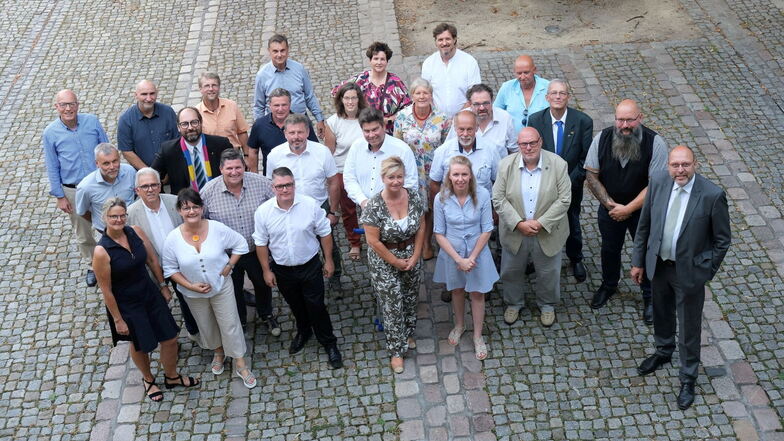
(231, 239)
(350, 182)
(412, 173)
(437, 166)
(169, 257)
(260, 233)
(320, 221)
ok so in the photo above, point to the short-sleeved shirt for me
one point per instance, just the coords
(346, 131)
(311, 168)
(237, 213)
(294, 78)
(484, 162)
(93, 191)
(510, 98)
(450, 81)
(69, 154)
(291, 234)
(142, 135)
(226, 121)
(658, 158)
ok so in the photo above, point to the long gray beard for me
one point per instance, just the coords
(627, 147)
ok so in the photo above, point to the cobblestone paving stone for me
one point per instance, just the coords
(60, 381)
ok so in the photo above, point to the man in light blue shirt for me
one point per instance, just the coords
(110, 179)
(68, 144)
(289, 75)
(524, 95)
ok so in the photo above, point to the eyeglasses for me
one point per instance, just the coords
(558, 93)
(191, 208)
(350, 98)
(116, 217)
(627, 120)
(677, 165)
(525, 117)
(483, 104)
(185, 124)
(68, 105)
(528, 144)
(283, 186)
(148, 187)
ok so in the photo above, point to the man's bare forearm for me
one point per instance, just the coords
(598, 190)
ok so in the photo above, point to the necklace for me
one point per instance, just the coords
(424, 117)
(196, 238)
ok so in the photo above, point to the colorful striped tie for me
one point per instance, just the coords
(198, 168)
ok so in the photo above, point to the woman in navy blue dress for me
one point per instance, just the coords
(137, 306)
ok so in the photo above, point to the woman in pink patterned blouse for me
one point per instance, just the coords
(383, 90)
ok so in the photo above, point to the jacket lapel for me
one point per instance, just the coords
(568, 133)
(514, 185)
(694, 199)
(547, 136)
(545, 184)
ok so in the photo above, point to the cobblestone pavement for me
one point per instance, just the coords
(59, 378)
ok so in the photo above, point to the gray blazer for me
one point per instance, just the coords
(137, 216)
(704, 237)
(555, 195)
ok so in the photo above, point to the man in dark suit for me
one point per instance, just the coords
(682, 237)
(567, 132)
(192, 159)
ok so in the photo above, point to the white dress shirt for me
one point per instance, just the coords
(451, 80)
(499, 133)
(529, 187)
(203, 266)
(684, 195)
(292, 235)
(311, 168)
(362, 170)
(197, 149)
(160, 225)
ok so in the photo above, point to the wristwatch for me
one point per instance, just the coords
(162, 284)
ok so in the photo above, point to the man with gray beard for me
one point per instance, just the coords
(619, 162)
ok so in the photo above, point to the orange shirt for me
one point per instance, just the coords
(226, 120)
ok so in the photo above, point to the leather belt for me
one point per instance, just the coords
(399, 245)
(69, 185)
(670, 263)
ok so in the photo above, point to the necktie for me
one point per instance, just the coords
(669, 226)
(559, 140)
(198, 168)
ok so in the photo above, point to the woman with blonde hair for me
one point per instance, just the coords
(463, 222)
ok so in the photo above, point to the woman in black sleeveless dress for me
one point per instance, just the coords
(137, 306)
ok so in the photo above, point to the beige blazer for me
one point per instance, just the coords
(137, 216)
(555, 195)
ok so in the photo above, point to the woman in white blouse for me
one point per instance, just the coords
(342, 130)
(194, 256)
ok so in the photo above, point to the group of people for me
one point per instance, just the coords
(444, 156)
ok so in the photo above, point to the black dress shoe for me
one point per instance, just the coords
(579, 271)
(647, 312)
(686, 396)
(90, 279)
(652, 363)
(299, 342)
(335, 359)
(601, 297)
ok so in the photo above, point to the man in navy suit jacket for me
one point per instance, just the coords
(576, 130)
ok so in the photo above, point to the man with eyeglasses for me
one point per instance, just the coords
(618, 165)
(525, 95)
(495, 127)
(192, 159)
(144, 126)
(232, 199)
(68, 144)
(567, 132)
(531, 195)
(156, 214)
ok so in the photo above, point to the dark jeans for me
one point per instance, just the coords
(613, 236)
(335, 249)
(302, 286)
(190, 322)
(574, 243)
(249, 264)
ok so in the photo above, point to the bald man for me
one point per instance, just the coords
(525, 95)
(68, 144)
(619, 162)
(682, 237)
(144, 126)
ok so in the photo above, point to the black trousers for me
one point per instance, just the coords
(302, 286)
(613, 237)
(190, 322)
(670, 300)
(249, 264)
(574, 243)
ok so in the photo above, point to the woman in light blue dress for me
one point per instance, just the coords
(463, 221)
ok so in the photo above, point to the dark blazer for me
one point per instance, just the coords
(170, 162)
(704, 237)
(578, 133)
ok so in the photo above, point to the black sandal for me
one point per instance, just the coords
(155, 396)
(181, 382)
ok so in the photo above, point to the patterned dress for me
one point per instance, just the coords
(423, 140)
(396, 290)
(389, 98)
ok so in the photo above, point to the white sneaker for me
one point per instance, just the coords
(511, 314)
(547, 318)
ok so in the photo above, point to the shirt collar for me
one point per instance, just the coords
(141, 116)
(689, 185)
(203, 107)
(538, 165)
(68, 128)
(381, 148)
(296, 201)
(99, 176)
(149, 210)
(197, 146)
(562, 119)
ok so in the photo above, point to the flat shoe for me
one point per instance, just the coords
(180, 382)
(248, 380)
(354, 253)
(455, 334)
(480, 348)
(397, 365)
(218, 366)
(411, 343)
(154, 396)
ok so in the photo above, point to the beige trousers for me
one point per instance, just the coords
(219, 322)
(83, 230)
